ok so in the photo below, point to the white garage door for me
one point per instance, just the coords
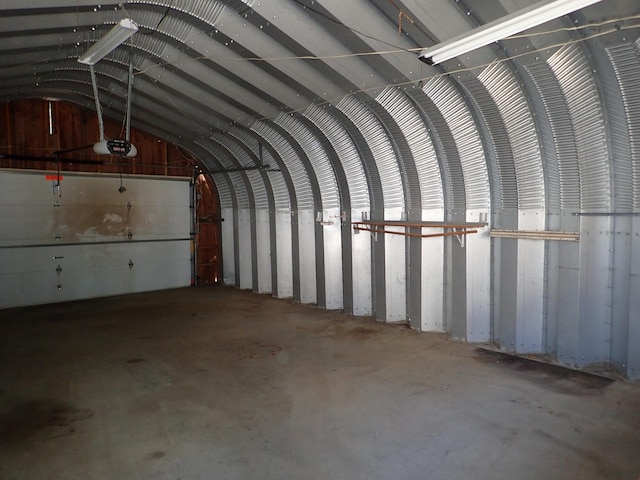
(87, 238)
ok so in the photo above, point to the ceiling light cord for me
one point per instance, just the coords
(94, 84)
(129, 92)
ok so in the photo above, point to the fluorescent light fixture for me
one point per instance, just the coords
(517, 22)
(112, 40)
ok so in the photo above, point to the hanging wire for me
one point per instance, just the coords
(94, 83)
(129, 92)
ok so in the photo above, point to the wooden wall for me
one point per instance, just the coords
(35, 128)
(25, 131)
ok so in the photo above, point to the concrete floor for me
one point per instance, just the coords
(215, 383)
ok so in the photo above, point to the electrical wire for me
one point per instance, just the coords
(460, 70)
(339, 23)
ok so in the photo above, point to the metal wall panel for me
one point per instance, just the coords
(478, 276)
(432, 260)
(284, 287)
(330, 271)
(262, 251)
(307, 260)
(633, 361)
(333, 274)
(621, 93)
(229, 273)
(575, 77)
(361, 269)
(395, 272)
(594, 333)
(260, 188)
(245, 253)
(529, 262)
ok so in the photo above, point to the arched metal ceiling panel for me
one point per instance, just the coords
(516, 116)
(226, 196)
(399, 67)
(562, 169)
(370, 170)
(446, 153)
(281, 191)
(576, 81)
(626, 63)
(447, 98)
(347, 153)
(318, 159)
(502, 170)
(381, 148)
(307, 37)
(304, 192)
(239, 184)
(260, 188)
(428, 181)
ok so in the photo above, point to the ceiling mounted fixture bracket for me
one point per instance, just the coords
(517, 22)
(120, 33)
(112, 40)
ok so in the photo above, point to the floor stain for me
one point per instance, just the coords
(553, 377)
(39, 418)
(135, 360)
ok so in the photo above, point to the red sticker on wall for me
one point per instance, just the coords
(57, 178)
